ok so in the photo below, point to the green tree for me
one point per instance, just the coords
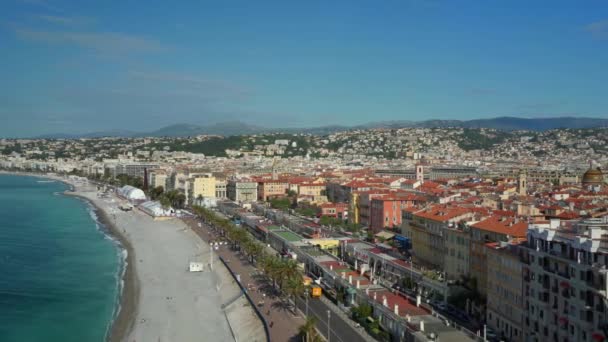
(165, 202)
(308, 331)
(156, 192)
(294, 287)
(280, 203)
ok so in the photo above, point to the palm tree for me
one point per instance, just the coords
(271, 266)
(294, 287)
(256, 251)
(289, 269)
(308, 331)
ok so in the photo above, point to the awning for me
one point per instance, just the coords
(564, 284)
(598, 337)
(563, 320)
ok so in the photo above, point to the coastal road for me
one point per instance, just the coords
(340, 330)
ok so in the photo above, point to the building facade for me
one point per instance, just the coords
(504, 308)
(268, 189)
(202, 186)
(242, 191)
(565, 281)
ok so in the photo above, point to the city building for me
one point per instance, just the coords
(202, 186)
(270, 188)
(386, 210)
(496, 228)
(426, 229)
(158, 177)
(242, 190)
(220, 189)
(504, 308)
(565, 281)
(132, 169)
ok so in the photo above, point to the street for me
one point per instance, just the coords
(341, 331)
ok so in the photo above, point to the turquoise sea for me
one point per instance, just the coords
(59, 272)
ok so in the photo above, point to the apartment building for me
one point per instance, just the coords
(132, 169)
(268, 189)
(202, 186)
(495, 228)
(386, 210)
(457, 251)
(565, 281)
(426, 229)
(504, 308)
(158, 177)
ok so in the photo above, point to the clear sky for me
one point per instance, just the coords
(83, 65)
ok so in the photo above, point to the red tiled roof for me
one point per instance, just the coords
(443, 212)
(503, 225)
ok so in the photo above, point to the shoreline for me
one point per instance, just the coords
(160, 300)
(125, 312)
(126, 305)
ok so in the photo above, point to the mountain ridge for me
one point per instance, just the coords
(505, 123)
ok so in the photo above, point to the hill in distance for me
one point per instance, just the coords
(240, 128)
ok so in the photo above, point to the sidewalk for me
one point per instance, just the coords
(282, 323)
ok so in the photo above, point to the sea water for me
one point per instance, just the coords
(59, 272)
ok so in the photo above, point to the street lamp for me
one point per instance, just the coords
(306, 293)
(328, 330)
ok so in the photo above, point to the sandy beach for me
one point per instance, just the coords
(161, 300)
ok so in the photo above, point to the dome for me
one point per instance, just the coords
(132, 193)
(593, 177)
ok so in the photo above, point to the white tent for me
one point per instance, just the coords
(132, 193)
(155, 209)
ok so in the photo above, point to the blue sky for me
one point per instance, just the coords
(82, 66)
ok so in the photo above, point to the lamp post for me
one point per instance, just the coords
(328, 329)
(306, 296)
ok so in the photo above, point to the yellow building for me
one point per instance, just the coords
(158, 178)
(353, 216)
(311, 189)
(201, 186)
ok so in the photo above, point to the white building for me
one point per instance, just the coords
(565, 281)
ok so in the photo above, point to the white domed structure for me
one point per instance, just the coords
(132, 193)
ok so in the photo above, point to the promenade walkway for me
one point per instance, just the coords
(278, 313)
